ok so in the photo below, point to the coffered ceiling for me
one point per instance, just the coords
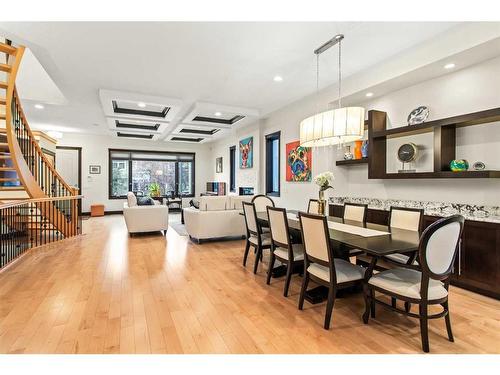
(192, 82)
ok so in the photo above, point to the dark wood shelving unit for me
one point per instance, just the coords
(444, 132)
(476, 118)
(444, 174)
(352, 162)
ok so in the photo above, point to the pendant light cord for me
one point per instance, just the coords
(340, 74)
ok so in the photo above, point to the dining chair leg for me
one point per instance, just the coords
(245, 256)
(448, 321)
(258, 257)
(366, 295)
(305, 281)
(424, 330)
(372, 302)
(329, 307)
(407, 306)
(393, 302)
(270, 268)
(289, 269)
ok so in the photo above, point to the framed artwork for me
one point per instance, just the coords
(94, 169)
(246, 153)
(298, 162)
(218, 165)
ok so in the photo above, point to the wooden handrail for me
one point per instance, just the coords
(36, 173)
(37, 146)
(39, 200)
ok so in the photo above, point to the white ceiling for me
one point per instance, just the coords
(232, 64)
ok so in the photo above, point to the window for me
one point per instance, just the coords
(137, 170)
(273, 164)
(232, 169)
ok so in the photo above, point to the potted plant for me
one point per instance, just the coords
(324, 181)
(154, 189)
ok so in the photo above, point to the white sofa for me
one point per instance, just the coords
(216, 217)
(144, 218)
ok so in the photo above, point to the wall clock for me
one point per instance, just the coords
(407, 153)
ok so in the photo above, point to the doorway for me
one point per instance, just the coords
(69, 166)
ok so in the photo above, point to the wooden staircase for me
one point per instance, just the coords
(25, 172)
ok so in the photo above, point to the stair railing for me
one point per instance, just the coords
(35, 171)
(35, 222)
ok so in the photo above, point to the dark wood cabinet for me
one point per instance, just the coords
(477, 265)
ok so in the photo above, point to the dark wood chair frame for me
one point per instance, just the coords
(309, 204)
(332, 285)
(427, 274)
(259, 246)
(291, 264)
(260, 196)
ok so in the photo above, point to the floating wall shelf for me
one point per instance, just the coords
(444, 131)
(352, 162)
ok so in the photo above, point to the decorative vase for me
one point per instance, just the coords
(348, 154)
(321, 203)
(459, 165)
(364, 149)
(357, 149)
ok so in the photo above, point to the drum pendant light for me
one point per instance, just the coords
(335, 126)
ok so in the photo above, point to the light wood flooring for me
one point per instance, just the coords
(104, 292)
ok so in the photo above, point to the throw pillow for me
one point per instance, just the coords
(131, 199)
(145, 201)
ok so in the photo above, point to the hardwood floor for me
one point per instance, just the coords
(104, 292)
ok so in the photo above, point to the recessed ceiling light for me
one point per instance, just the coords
(369, 94)
(278, 78)
(39, 106)
(218, 114)
(449, 66)
(141, 105)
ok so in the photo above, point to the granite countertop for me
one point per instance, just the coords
(469, 211)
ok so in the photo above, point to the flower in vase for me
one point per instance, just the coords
(324, 181)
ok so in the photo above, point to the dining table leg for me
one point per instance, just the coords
(368, 296)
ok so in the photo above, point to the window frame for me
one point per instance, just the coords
(269, 164)
(232, 169)
(130, 172)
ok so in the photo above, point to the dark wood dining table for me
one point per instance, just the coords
(397, 241)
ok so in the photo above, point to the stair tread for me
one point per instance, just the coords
(3, 85)
(3, 101)
(5, 179)
(5, 67)
(6, 48)
(3, 116)
(7, 169)
(12, 188)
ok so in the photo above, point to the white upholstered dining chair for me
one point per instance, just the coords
(261, 202)
(320, 264)
(313, 206)
(255, 238)
(282, 247)
(437, 250)
(407, 219)
(355, 212)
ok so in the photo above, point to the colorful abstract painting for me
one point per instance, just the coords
(246, 153)
(298, 162)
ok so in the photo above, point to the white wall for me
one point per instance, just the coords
(95, 152)
(244, 177)
(472, 89)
